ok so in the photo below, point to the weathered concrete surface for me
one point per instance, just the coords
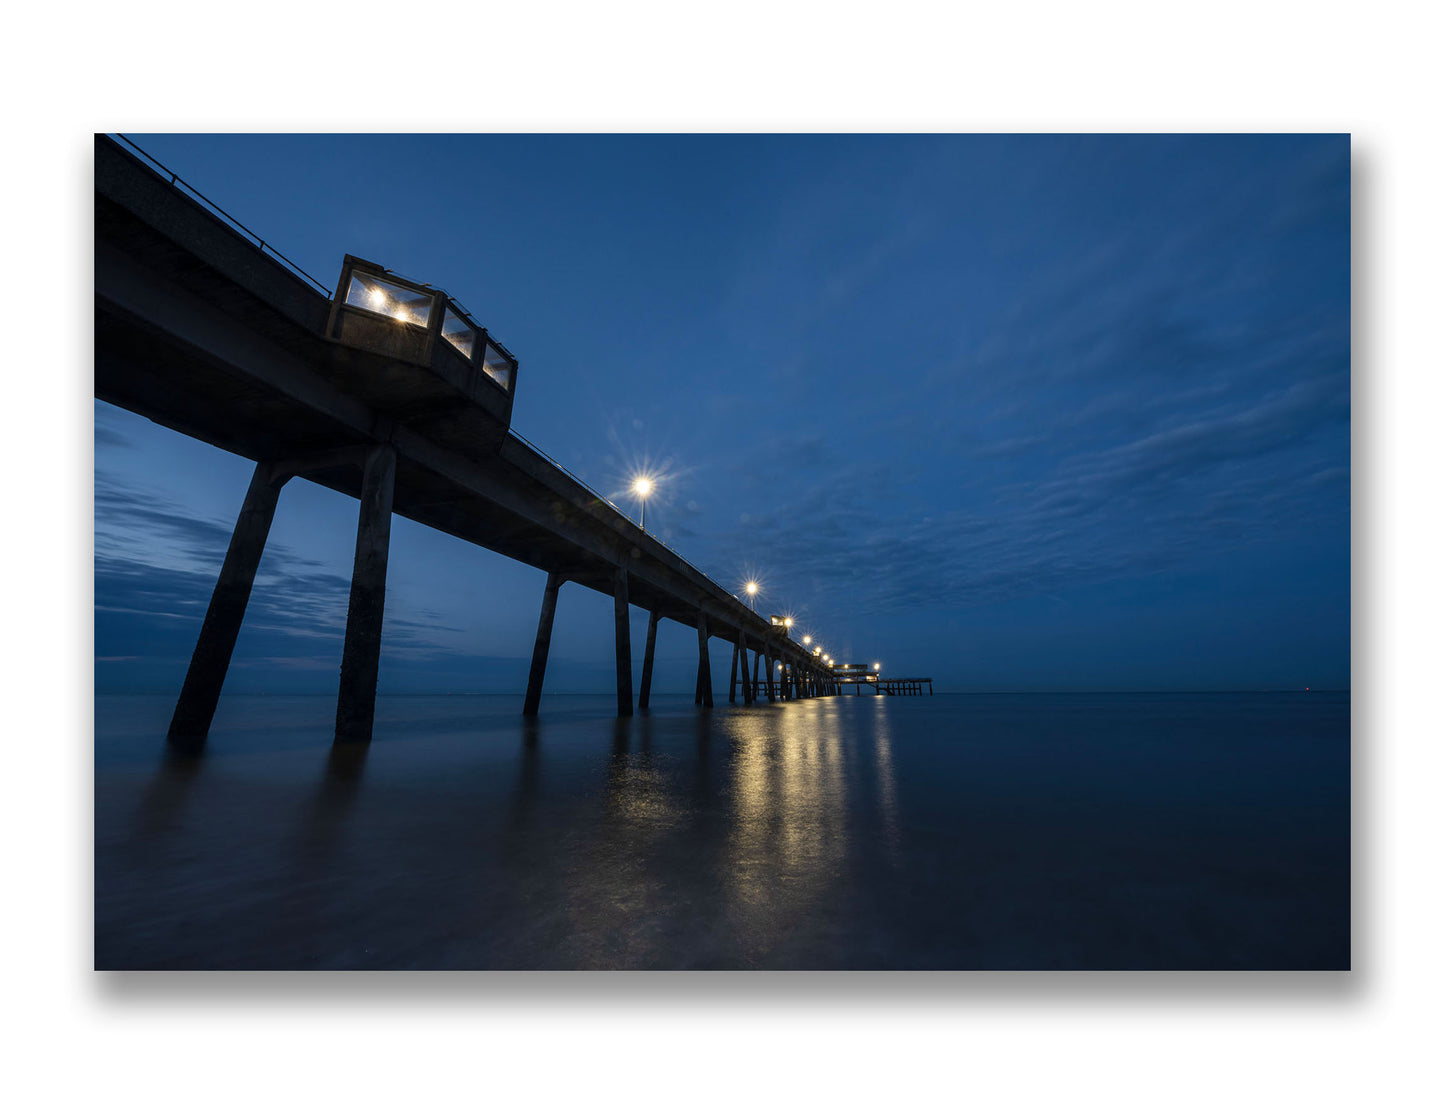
(704, 666)
(623, 633)
(361, 651)
(542, 646)
(212, 656)
(644, 693)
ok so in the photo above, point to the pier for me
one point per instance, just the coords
(387, 391)
(859, 675)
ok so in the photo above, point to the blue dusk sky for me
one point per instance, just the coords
(1016, 412)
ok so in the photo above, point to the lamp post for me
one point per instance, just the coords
(752, 589)
(642, 487)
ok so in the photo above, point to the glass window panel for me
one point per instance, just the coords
(461, 335)
(384, 297)
(497, 366)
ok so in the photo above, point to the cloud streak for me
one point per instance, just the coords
(155, 569)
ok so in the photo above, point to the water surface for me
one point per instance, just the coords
(1044, 831)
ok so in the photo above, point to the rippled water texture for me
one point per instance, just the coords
(1046, 831)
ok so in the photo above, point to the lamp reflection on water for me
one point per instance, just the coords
(616, 880)
(760, 801)
(887, 787)
(789, 829)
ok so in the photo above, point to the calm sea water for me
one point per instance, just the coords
(1044, 831)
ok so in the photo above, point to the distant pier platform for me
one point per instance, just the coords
(859, 675)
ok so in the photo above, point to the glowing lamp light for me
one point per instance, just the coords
(877, 666)
(642, 487)
(752, 587)
(807, 640)
(382, 312)
(389, 295)
(787, 622)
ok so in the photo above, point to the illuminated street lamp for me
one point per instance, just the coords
(807, 640)
(641, 488)
(752, 589)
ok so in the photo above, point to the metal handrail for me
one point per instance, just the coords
(260, 242)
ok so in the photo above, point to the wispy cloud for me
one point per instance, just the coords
(1173, 392)
(155, 569)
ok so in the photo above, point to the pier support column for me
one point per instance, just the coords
(733, 681)
(623, 632)
(361, 653)
(743, 669)
(704, 667)
(644, 693)
(542, 646)
(212, 656)
(768, 664)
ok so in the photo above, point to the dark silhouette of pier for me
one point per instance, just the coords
(390, 393)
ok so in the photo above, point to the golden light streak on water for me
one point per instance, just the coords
(789, 832)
